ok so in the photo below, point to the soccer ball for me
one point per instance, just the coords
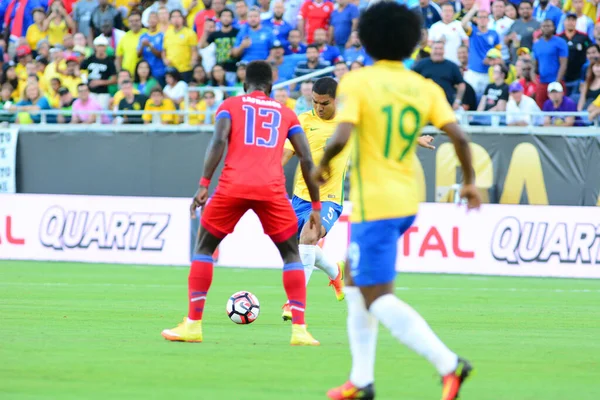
(243, 307)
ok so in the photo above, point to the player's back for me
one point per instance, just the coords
(389, 106)
(259, 127)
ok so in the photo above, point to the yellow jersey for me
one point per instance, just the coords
(388, 105)
(177, 45)
(34, 35)
(165, 105)
(127, 49)
(57, 32)
(318, 131)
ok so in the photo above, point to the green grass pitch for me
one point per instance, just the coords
(83, 331)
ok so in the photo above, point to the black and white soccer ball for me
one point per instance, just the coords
(243, 307)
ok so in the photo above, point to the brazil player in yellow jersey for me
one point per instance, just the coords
(319, 125)
(382, 109)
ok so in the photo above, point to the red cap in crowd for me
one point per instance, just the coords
(23, 51)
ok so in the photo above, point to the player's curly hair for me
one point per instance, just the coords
(389, 31)
(259, 74)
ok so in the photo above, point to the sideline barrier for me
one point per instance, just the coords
(495, 240)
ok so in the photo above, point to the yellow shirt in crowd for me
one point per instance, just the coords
(177, 45)
(165, 105)
(57, 32)
(34, 35)
(127, 49)
(192, 13)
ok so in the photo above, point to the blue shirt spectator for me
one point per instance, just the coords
(480, 43)
(311, 64)
(329, 54)
(280, 29)
(357, 54)
(288, 66)
(545, 11)
(584, 25)
(548, 52)
(344, 20)
(254, 41)
(430, 12)
(151, 45)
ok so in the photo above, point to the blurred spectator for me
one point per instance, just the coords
(356, 64)
(191, 8)
(547, 11)
(16, 16)
(179, 49)
(526, 78)
(592, 54)
(208, 106)
(430, 12)
(583, 23)
(58, 24)
(292, 11)
(10, 76)
(463, 58)
(131, 102)
(43, 49)
(443, 72)
(66, 101)
(463, 7)
(164, 20)
(168, 5)
(68, 42)
(285, 65)
(265, 9)
(71, 79)
(551, 55)
(282, 97)
(158, 103)
(494, 57)
(278, 26)
(312, 63)
(143, 80)
(511, 11)
(500, 23)
(558, 102)
(207, 53)
(344, 20)
(481, 40)
(23, 58)
(589, 9)
(295, 46)
(101, 72)
(37, 31)
(495, 95)
(82, 16)
(217, 79)
(450, 32)
(103, 14)
(521, 32)
(224, 40)
(355, 51)
(122, 76)
(199, 76)
(150, 49)
(520, 107)
(192, 107)
(216, 6)
(593, 109)
(85, 106)
(113, 36)
(577, 44)
(81, 46)
(313, 15)
(341, 68)
(253, 41)
(241, 12)
(304, 102)
(127, 49)
(240, 75)
(590, 89)
(329, 54)
(52, 94)
(27, 109)
(56, 66)
(175, 88)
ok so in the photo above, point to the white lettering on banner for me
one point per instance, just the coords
(8, 160)
(539, 241)
(60, 229)
(128, 230)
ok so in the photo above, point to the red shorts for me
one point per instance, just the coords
(222, 213)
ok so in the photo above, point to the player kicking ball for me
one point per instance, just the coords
(384, 108)
(319, 125)
(254, 127)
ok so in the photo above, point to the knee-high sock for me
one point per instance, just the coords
(307, 255)
(199, 280)
(325, 264)
(295, 288)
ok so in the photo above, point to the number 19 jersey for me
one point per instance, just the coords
(259, 128)
(389, 105)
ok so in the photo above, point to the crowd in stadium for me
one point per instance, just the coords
(89, 56)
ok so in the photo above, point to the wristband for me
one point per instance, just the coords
(204, 182)
(316, 205)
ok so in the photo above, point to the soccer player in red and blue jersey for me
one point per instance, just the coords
(254, 127)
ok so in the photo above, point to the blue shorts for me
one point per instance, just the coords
(330, 212)
(373, 250)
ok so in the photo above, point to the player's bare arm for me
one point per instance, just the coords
(287, 156)
(425, 141)
(336, 144)
(302, 150)
(214, 153)
(463, 152)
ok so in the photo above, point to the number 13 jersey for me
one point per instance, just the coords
(259, 128)
(389, 105)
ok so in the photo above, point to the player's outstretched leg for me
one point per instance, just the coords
(199, 281)
(335, 271)
(295, 288)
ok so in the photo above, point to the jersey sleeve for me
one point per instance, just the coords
(223, 111)
(440, 112)
(348, 99)
(303, 10)
(294, 126)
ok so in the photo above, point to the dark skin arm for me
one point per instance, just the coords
(214, 153)
(302, 150)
